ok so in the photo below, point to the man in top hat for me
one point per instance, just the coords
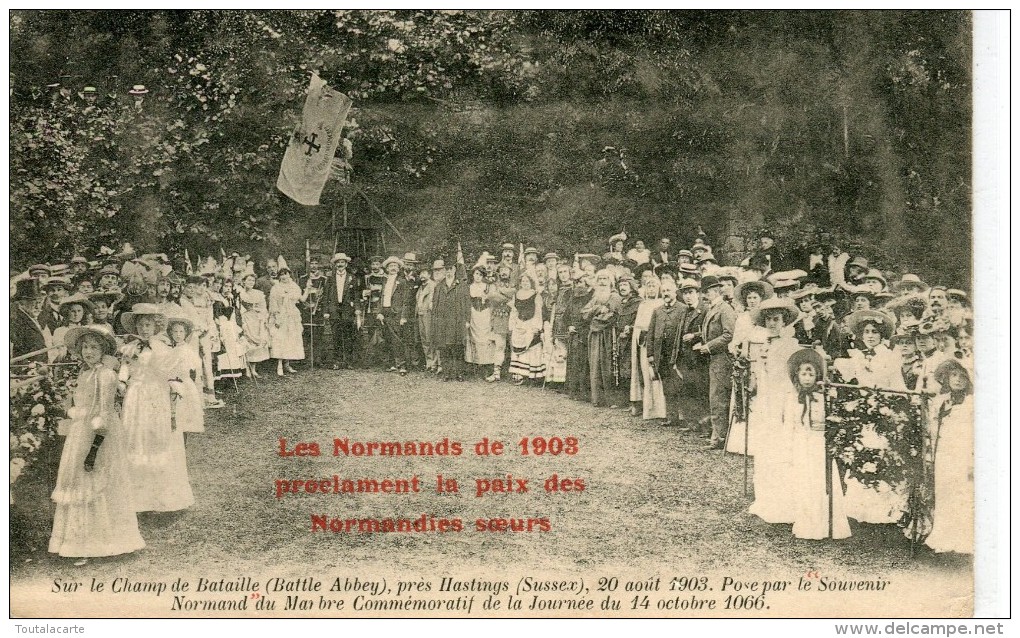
(341, 307)
(394, 314)
(312, 285)
(26, 333)
(451, 313)
(716, 334)
(768, 251)
(661, 254)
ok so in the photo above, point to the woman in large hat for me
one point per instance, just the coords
(815, 499)
(76, 311)
(749, 295)
(952, 445)
(155, 445)
(285, 330)
(769, 438)
(94, 514)
(872, 364)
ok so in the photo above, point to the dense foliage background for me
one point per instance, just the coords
(552, 128)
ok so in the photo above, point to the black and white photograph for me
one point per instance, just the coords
(497, 314)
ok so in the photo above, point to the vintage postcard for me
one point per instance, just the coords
(504, 314)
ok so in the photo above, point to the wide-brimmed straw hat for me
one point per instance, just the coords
(883, 322)
(142, 310)
(763, 288)
(783, 304)
(74, 336)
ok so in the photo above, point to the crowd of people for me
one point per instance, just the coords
(732, 353)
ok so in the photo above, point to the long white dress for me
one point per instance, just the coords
(480, 341)
(94, 515)
(159, 468)
(807, 477)
(188, 409)
(953, 438)
(285, 322)
(772, 435)
(642, 386)
(882, 503)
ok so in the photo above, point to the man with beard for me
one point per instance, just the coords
(341, 307)
(663, 333)
(266, 281)
(716, 333)
(578, 373)
(501, 296)
(451, 314)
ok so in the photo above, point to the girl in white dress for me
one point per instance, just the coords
(952, 444)
(804, 415)
(185, 365)
(254, 322)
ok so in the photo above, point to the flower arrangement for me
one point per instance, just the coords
(36, 409)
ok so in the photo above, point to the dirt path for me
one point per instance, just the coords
(654, 502)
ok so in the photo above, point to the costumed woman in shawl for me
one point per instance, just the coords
(815, 496)
(480, 340)
(230, 363)
(952, 447)
(601, 312)
(645, 387)
(94, 513)
(155, 445)
(526, 354)
(285, 330)
(772, 436)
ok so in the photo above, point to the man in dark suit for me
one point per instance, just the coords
(394, 314)
(694, 406)
(716, 334)
(26, 333)
(662, 335)
(661, 254)
(341, 306)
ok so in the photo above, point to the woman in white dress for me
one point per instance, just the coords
(254, 322)
(815, 496)
(773, 437)
(94, 513)
(873, 365)
(952, 445)
(746, 344)
(480, 340)
(285, 330)
(645, 388)
(155, 445)
(185, 365)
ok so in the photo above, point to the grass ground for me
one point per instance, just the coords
(655, 504)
